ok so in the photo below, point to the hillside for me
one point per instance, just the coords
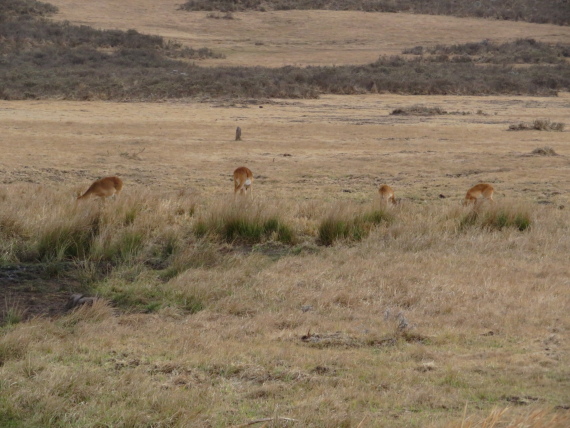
(49, 59)
(279, 38)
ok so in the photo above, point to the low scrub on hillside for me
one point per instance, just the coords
(521, 51)
(24, 9)
(23, 29)
(42, 59)
(140, 74)
(538, 11)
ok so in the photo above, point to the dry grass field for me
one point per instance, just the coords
(432, 318)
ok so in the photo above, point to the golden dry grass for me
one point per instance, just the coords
(424, 322)
(401, 329)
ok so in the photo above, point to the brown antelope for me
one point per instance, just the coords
(243, 178)
(387, 194)
(103, 188)
(479, 192)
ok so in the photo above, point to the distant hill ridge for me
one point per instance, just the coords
(537, 11)
(41, 59)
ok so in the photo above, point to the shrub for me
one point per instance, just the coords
(538, 125)
(544, 151)
(25, 8)
(547, 125)
(418, 110)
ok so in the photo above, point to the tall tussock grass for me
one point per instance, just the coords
(40, 224)
(498, 217)
(347, 223)
(419, 315)
(245, 222)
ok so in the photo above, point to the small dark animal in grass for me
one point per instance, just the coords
(78, 300)
(238, 134)
(103, 188)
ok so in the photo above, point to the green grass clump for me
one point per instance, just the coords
(68, 238)
(123, 246)
(340, 225)
(497, 218)
(245, 223)
(12, 313)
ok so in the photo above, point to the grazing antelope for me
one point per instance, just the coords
(243, 178)
(479, 192)
(387, 194)
(103, 188)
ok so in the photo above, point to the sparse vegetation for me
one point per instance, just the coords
(539, 125)
(418, 110)
(548, 11)
(544, 151)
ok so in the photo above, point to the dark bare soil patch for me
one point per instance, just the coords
(35, 290)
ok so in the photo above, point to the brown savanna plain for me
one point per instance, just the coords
(422, 323)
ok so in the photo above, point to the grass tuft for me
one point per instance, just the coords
(13, 312)
(246, 223)
(498, 218)
(342, 223)
(69, 237)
